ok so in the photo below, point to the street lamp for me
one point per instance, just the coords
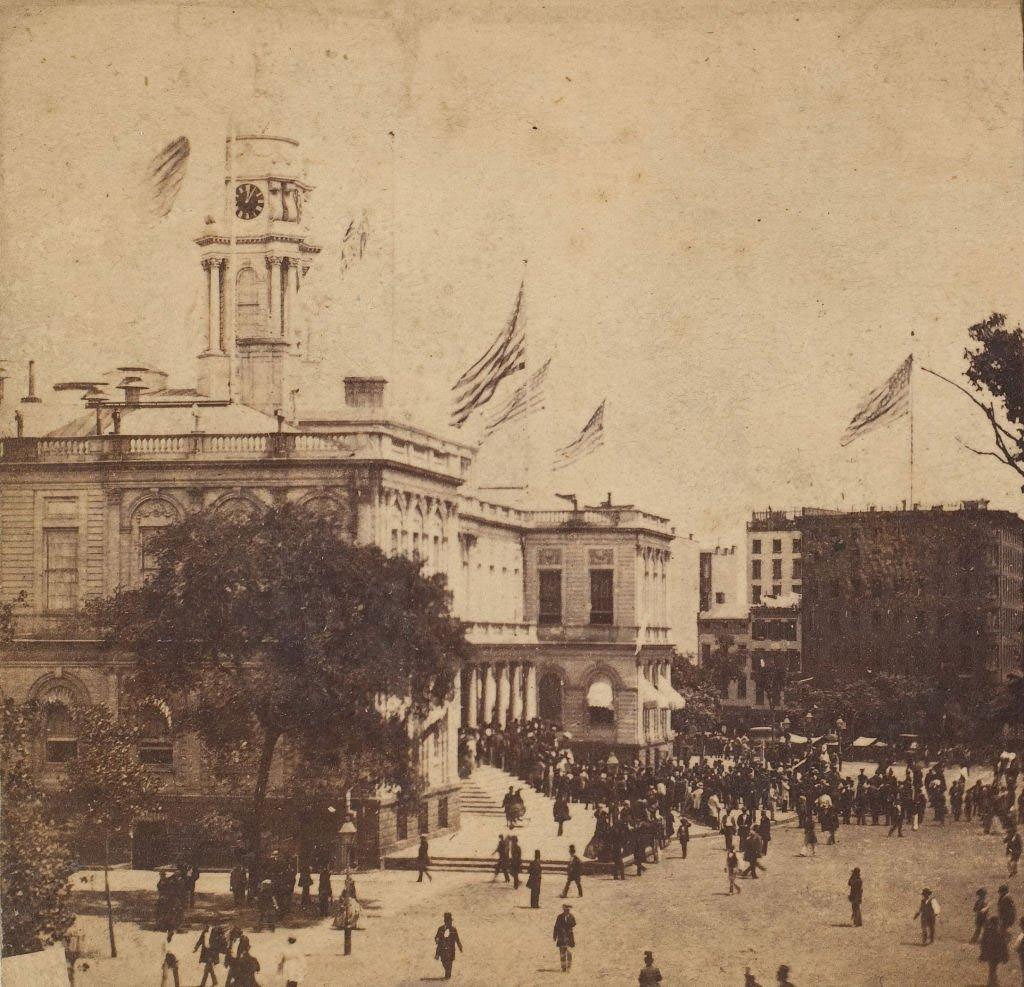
(346, 841)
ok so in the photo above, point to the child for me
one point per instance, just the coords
(732, 865)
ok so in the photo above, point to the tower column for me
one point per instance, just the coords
(474, 697)
(531, 691)
(517, 691)
(276, 327)
(490, 693)
(213, 327)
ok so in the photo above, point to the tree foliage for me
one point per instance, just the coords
(35, 862)
(277, 632)
(995, 368)
(703, 708)
(726, 663)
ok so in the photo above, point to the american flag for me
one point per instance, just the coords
(883, 405)
(504, 357)
(591, 438)
(526, 398)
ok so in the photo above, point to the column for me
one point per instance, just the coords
(531, 691)
(276, 328)
(490, 693)
(213, 340)
(287, 278)
(517, 691)
(474, 698)
(503, 697)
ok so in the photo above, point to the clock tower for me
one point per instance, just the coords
(255, 258)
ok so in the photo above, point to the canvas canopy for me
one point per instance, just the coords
(599, 695)
(864, 741)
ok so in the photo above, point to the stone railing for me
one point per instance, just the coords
(604, 634)
(610, 518)
(498, 632)
(358, 442)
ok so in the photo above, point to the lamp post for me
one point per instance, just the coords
(346, 840)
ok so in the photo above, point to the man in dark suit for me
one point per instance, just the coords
(564, 937)
(573, 873)
(445, 940)
(516, 859)
(533, 880)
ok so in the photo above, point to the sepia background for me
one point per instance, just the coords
(733, 219)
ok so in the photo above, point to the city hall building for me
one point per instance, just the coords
(567, 611)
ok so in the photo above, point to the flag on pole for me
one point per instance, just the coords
(591, 438)
(504, 357)
(883, 405)
(166, 173)
(527, 397)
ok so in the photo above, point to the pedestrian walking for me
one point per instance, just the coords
(565, 937)
(927, 912)
(981, 912)
(561, 812)
(752, 855)
(649, 973)
(683, 835)
(732, 866)
(445, 940)
(1013, 850)
(810, 834)
(244, 968)
(237, 883)
(324, 892)
(897, 818)
(211, 945)
(266, 906)
(573, 873)
(782, 977)
(856, 896)
(501, 865)
(1005, 908)
(305, 886)
(423, 861)
(533, 879)
(515, 857)
(993, 948)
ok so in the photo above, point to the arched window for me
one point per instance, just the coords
(155, 736)
(60, 733)
(601, 702)
(248, 321)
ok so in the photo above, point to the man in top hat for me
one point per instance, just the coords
(564, 937)
(1005, 907)
(980, 912)
(649, 973)
(445, 940)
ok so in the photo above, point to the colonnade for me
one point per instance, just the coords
(499, 692)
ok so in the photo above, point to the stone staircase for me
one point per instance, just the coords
(471, 848)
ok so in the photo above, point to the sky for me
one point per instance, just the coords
(733, 220)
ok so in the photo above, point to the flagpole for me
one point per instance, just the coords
(228, 284)
(527, 445)
(910, 401)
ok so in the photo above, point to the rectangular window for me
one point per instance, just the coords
(442, 813)
(797, 546)
(550, 597)
(755, 592)
(797, 569)
(755, 569)
(741, 687)
(777, 589)
(705, 651)
(149, 561)
(776, 546)
(601, 596)
(797, 588)
(60, 548)
(755, 547)
(719, 598)
(777, 569)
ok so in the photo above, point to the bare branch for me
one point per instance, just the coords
(981, 452)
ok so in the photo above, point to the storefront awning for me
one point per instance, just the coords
(670, 698)
(864, 742)
(647, 694)
(599, 695)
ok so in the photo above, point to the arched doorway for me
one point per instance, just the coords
(549, 697)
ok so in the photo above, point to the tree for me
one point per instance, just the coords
(995, 368)
(106, 786)
(278, 632)
(703, 700)
(35, 862)
(727, 663)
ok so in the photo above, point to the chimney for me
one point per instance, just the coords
(365, 392)
(31, 398)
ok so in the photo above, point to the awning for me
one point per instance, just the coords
(864, 741)
(646, 693)
(670, 698)
(795, 738)
(600, 694)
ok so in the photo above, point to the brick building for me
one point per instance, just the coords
(912, 591)
(567, 611)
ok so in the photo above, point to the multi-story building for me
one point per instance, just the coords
(912, 591)
(567, 611)
(775, 556)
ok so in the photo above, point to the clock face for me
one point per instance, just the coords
(248, 201)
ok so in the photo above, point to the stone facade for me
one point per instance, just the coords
(80, 498)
